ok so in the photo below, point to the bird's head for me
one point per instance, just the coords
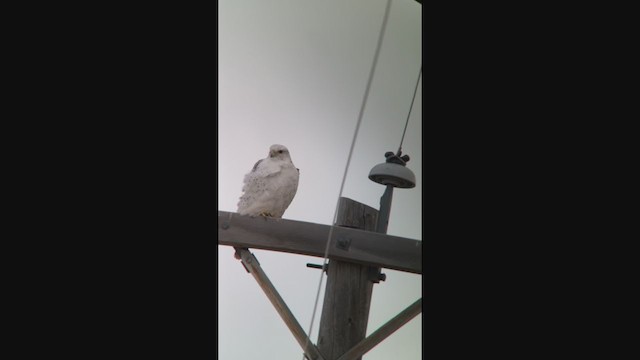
(279, 152)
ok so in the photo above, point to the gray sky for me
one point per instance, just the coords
(294, 72)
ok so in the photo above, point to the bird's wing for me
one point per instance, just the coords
(261, 170)
(266, 167)
(256, 165)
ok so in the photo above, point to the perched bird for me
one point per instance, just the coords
(269, 187)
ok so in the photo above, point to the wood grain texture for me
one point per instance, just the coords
(298, 237)
(347, 299)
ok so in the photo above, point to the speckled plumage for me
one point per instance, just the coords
(270, 186)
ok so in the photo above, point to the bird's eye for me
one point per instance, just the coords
(280, 151)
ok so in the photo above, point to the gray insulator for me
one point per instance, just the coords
(393, 174)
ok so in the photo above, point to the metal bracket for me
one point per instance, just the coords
(375, 275)
(343, 243)
(249, 259)
(315, 266)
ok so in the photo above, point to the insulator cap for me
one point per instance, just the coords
(394, 171)
(396, 175)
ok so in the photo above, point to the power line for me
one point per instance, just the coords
(353, 141)
(415, 91)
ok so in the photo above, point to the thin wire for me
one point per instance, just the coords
(346, 169)
(415, 91)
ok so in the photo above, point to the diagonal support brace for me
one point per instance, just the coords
(252, 266)
(384, 331)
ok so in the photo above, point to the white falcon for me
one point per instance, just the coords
(270, 186)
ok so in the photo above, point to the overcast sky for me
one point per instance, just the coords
(294, 72)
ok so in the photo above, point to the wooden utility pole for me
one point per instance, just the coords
(349, 287)
(356, 253)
